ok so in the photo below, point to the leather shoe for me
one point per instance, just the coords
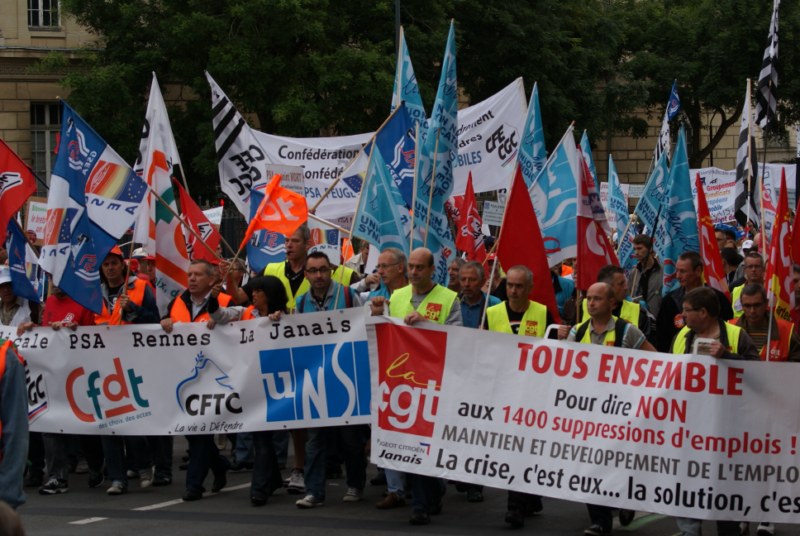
(474, 496)
(515, 519)
(625, 517)
(392, 500)
(192, 495)
(419, 518)
(258, 501)
(220, 480)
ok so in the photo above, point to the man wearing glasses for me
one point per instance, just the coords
(753, 275)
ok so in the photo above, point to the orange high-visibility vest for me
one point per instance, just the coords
(135, 291)
(180, 313)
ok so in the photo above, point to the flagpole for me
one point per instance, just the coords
(432, 187)
(414, 188)
(624, 236)
(372, 141)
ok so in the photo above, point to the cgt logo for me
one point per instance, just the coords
(410, 369)
(111, 396)
(319, 381)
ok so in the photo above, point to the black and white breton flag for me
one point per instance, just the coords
(747, 191)
(240, 157)
(766, 98)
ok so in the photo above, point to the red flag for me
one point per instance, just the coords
(709, 249)
(198, 221)
(779, 269)
(470, 237)
(520, 242)
(595, 249)
(281, 211)
(17, 184)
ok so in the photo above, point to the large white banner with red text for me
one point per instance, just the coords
(680, 435)
(306, 370)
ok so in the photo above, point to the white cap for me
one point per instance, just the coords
(139, 253)
(5, 275)
(747, 244)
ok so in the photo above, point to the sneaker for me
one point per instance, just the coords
(118, 487)
(132, 474)
(309, 501)
(82, 467)
(96, 479)
(352, 495)
(765, 529)
(596, 530)
(145, 478)
(297, 483)
(54, 486)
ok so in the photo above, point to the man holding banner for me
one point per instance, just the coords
(422, 300)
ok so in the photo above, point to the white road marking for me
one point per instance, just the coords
(179, 501)
(87, 520)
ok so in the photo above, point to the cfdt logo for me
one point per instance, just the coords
(111, 394)
(319, 381)
(207, 390)
(410, 370)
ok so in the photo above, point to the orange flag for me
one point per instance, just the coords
(281, 211)
(709, 249)
(779, 267)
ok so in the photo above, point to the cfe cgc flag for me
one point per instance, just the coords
(93, 199)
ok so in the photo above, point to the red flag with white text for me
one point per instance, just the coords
(709, 249)
(470, 237)
(595, 249)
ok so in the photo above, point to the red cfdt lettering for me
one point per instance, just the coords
(118, 388)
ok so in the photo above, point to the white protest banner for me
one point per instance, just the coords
(36, 216)
(720, 189)
(680, 435)
(304, 371)
(488, 140)
(493, 213)
(214, 215)
(323, 160)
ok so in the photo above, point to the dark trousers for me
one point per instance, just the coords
(426, 493)
(203, 455)
(161, 453)
(266, 475)
(601, 515)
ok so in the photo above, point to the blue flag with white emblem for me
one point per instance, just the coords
(406, 88)
(676, 230)
(555, 200)
(397, 143)
(22, 264)
(532, 151)
(435, 159)
(93, 199)
(654, 195)
(619, 207)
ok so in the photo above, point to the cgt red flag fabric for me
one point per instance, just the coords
(470, 237)
(17, 184)
(779, 270)
(709, 249)
(281, 211)
(520, 242)
(198, 221)
(595, 249)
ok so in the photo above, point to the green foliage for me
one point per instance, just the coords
(326, 67)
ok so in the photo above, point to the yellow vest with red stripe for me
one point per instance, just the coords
(135, 294)
(3, 354)
(180, 313)
(533, 323)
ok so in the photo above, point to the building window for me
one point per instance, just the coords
(45, 128)
(43, 13)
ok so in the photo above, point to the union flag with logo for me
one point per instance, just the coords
(17, 184)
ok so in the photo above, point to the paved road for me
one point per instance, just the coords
(88, 512)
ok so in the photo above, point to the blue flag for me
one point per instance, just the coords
(676, 231)
(598, 211)
(406, 88)
(435, 159)
(619, 207)
(532, 151)
(93, 199)
(555, 199)
(397, 143)
(654, 195)
(264, 246)
(674, 102)
(381, 217)
(22, 264)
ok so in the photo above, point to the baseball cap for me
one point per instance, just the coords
(5, 275)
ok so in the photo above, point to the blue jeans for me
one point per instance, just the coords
(243, 452)
(316, 447)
